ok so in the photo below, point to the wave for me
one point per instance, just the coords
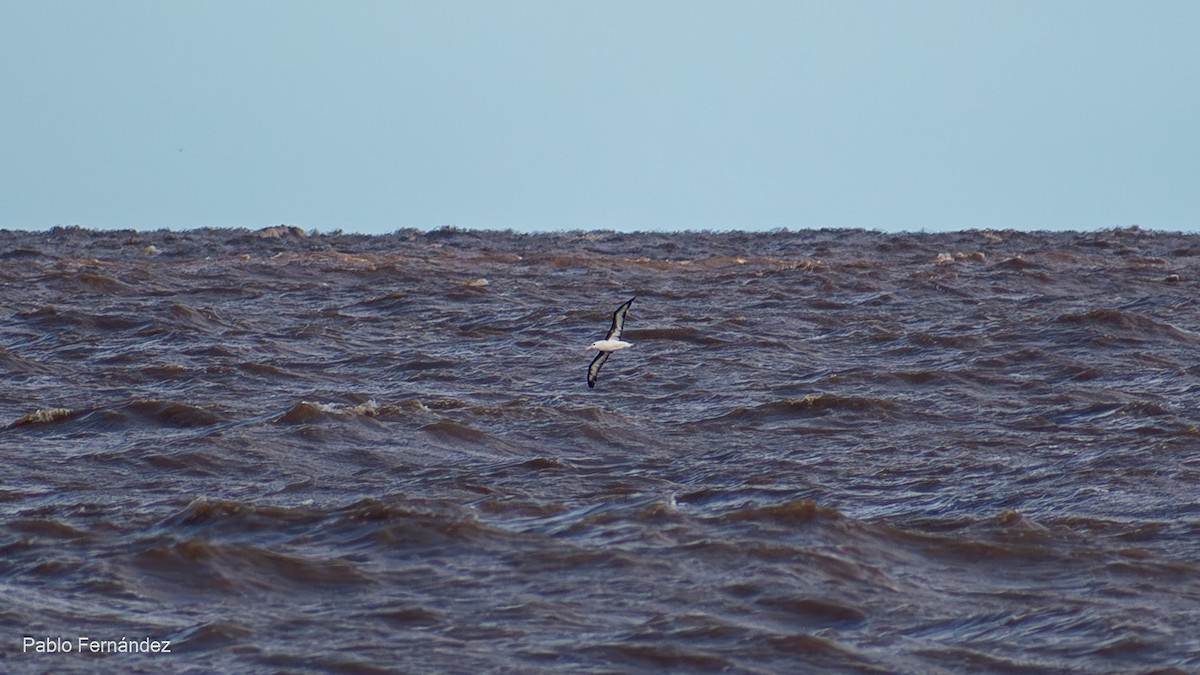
(1127, 324)
(1017, 262)
(21, 252)
(201, 320)
(658, 657)
(202, 564)
(50, 317)
(92, 282)
(211, 635)
(816, 613)
(267, 370)
(810, 406)
(44, 417)
(15, 364)
(679, 334)
(227, 514)
(405, 522)
(963, 342)
(174, 414)
(46, 528)
(453, 431)
(457, 437)
(796, 511)
(309, 412)
(142, 412)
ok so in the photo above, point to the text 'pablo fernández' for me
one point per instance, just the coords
(87, 645)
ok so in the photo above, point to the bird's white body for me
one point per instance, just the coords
(611, 343)
(608, 345)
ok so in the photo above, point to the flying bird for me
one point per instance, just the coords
(611, 343)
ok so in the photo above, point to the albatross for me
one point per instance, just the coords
(611, 342)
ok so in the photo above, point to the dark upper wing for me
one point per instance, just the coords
(594, 369)
(618, 323)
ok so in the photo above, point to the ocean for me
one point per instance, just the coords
(826, 451)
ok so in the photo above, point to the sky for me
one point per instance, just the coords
(370, 116)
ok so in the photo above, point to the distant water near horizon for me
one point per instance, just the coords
(826, 451)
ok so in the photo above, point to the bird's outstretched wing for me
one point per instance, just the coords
(594, 369)
(618, 323)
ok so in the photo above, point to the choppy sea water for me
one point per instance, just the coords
(832, 450)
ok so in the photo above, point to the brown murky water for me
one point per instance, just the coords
(836, 450)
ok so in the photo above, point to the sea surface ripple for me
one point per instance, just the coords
(827, 450)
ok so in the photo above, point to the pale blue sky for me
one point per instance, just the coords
(650, 115)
